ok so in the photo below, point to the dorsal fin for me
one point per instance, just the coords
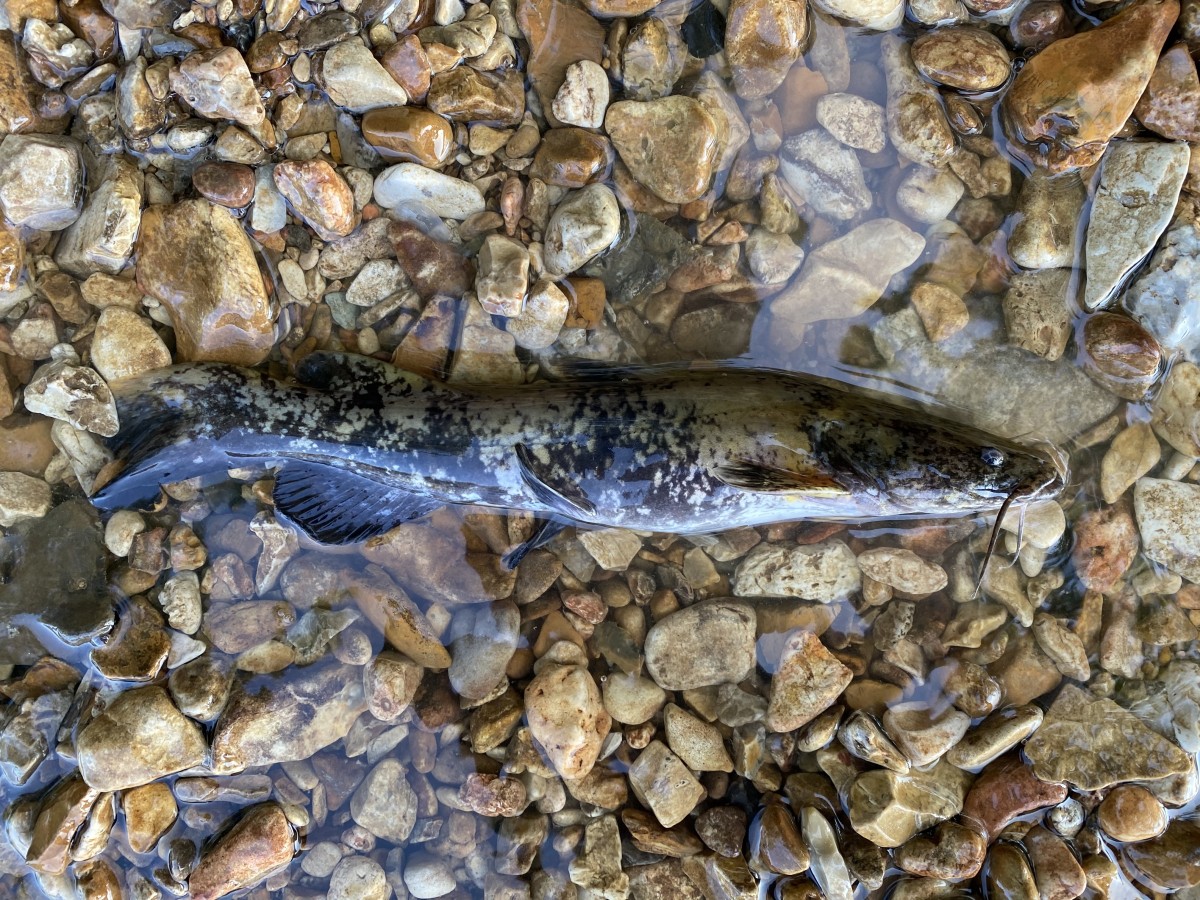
(336, 506)
(749, 475)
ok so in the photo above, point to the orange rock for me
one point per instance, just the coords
(1070, 99)
(588, 299)
(558, 35)
(572, 158)
(318, 195)
(408, 63)
(797, 98)
(409, 133)
(1170, 105)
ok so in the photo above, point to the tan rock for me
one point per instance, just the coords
(1131, 813)
(808, 681)
(59, 815)
(466, 95)
(262, 842)
(916, 120)
(559, 35)
(572, 158)
(567, 718)
(104, 235)
(217, 85)
(410, 134)
(1170, 105)
(962, 57)
(126, 344)
(1133, 453)
(664, 785)
(195, 258)
(150, 811)
(1072, 97)
(670, 145)
(318, 195)
(888, 808)
(763, 40)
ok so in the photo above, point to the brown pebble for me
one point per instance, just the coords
(225, 183)
(407, 62)
(1131, 813)
(572, 158)
(1120, 354)
(409, 133)
(1004, 790)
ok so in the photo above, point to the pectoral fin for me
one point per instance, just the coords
(336, 506)
(551, 488)
(749, 475)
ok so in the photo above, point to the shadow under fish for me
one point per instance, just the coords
(361, 447)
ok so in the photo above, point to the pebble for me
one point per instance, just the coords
(214, 293)
(916, 121)
(922, 735)
(200, 688)
(355, 80)
(572, 158)
(541, 321)
(826, 173)
(929, 195)
(225, 183)
(139, 737)
(293, 720)
(488, 638)
(1165, 298)
(1036, 312)
(1005, 789)
(1121, 355)
(409, 134)
(318, 195)
(855, 121)
(125, 344)
(216, 84)
(1165, 512)
(73, 394)
(359, 878)
(1047, 216)
(825, 572)
(772, 258)
(582, 226)
(59, 815)
(952, 851)
(876, 15)
(390, 682)
(808, 681)
(406, 184)
(652, 60)
(1131, 813)
(502, 275)
(1170, 861)
(582, 99)
(41, 181)
(708, 643)
(22, 497)
(150, 811)
(670, 145)
(426, 876)
(632, 699)
(466, 95)
(763, 40)
(902, 570)
(699, 744)
(104, 235)
(1170, 105)
(664, 785)
(844, 277)
(1106, 542)
(384, 803)
(1074, 80)
(259, 844)
(1139, 184)
(598, 866)
(962, 57)
(567, 718)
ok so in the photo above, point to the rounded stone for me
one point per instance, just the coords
(670, 145)
(224, 183)
(708, 643)
(962, 57)
(358, 878)
(1131, 813)
(410, 134)
(581, 227)
(427, 876)
(572, 158)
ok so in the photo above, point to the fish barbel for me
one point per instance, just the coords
(361, 446)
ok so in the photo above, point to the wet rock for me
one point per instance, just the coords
(1132, 453)
(22, 497)
(862, 737)
(318, 195)
(409, 134)
(261, 843)
(808, 681)
(103, 236)
(30, 733)
(427, 876)
(652, 60)
(1036, 312)
(141, 736)
(708, 643)
(1009, 873)
(433, 266)
(355, 81)
(916, 122)
(776, 842)
(664, 785)
(583, 97)
(217, 85)
(597, 868)
(137, 648)
(408, 184)
(214, 293)
(585, 224)
(559, 36)
(763, 40)
(889, 808)
(855, 121)
(274, 719)
(772, 258)
(826, 174)
(1120, 355)
(1004, 790)
(962, 57)
(928, 195)
(502, 277)
(922, 735)
(902, 570)
(837, 282)
(699, 744)
(125, 344)
(486, 355)
(1049, 210)
(1170, 861)
(1167, 524)
(877, 15)
(950, 851)
(75, 395)
(1165, 297)
(150, 811)
(384, 803)
(41, 181)
(1131, 813)
(59, 815)
(825, 572)
(227, 184)
(670, 145)
(1092, 81)
(539, 324)
(1106, 542)
(1093, 743)
(567, 718)
(1170, 105)
(1139, 184)
(488, 636)
(572, 158)
(465, 95)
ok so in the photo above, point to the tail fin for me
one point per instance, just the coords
(160, 439)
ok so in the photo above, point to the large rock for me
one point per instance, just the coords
(1166, 517)
(41, 181)
(559, 34)
(140, 737)
(888, 808)
(708, 643)
(282, 718)
(356, 81)
(385, 804)
(1071, 98)
(567, 718)
(1166, 296)
(196, 260)
(1139, 184)
(825, 572)
(262, 842)
(670, 145)
(1092, 743)
(763, 40)
(103, 237)
(217, 85)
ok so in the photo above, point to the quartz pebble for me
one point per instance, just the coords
(442, 195)
(41, 181)
(583, 97)
(585, 224)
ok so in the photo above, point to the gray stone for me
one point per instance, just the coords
(825, 572)
(385, 804)
(826, 174)
(1037, 313)
(1049, 210)
(584, 225)
(487, 637)
(708, 643)
(1170, 529)
(356, 81)
(1166, 297)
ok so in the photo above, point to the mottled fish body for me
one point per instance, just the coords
(361, 446)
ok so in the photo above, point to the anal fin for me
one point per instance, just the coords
(556, 493)
(336, 506)
(546, 531)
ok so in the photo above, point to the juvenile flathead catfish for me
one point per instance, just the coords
(362, 446)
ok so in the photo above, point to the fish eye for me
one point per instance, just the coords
(992, 457)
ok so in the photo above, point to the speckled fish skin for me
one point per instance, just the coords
(679, 451)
